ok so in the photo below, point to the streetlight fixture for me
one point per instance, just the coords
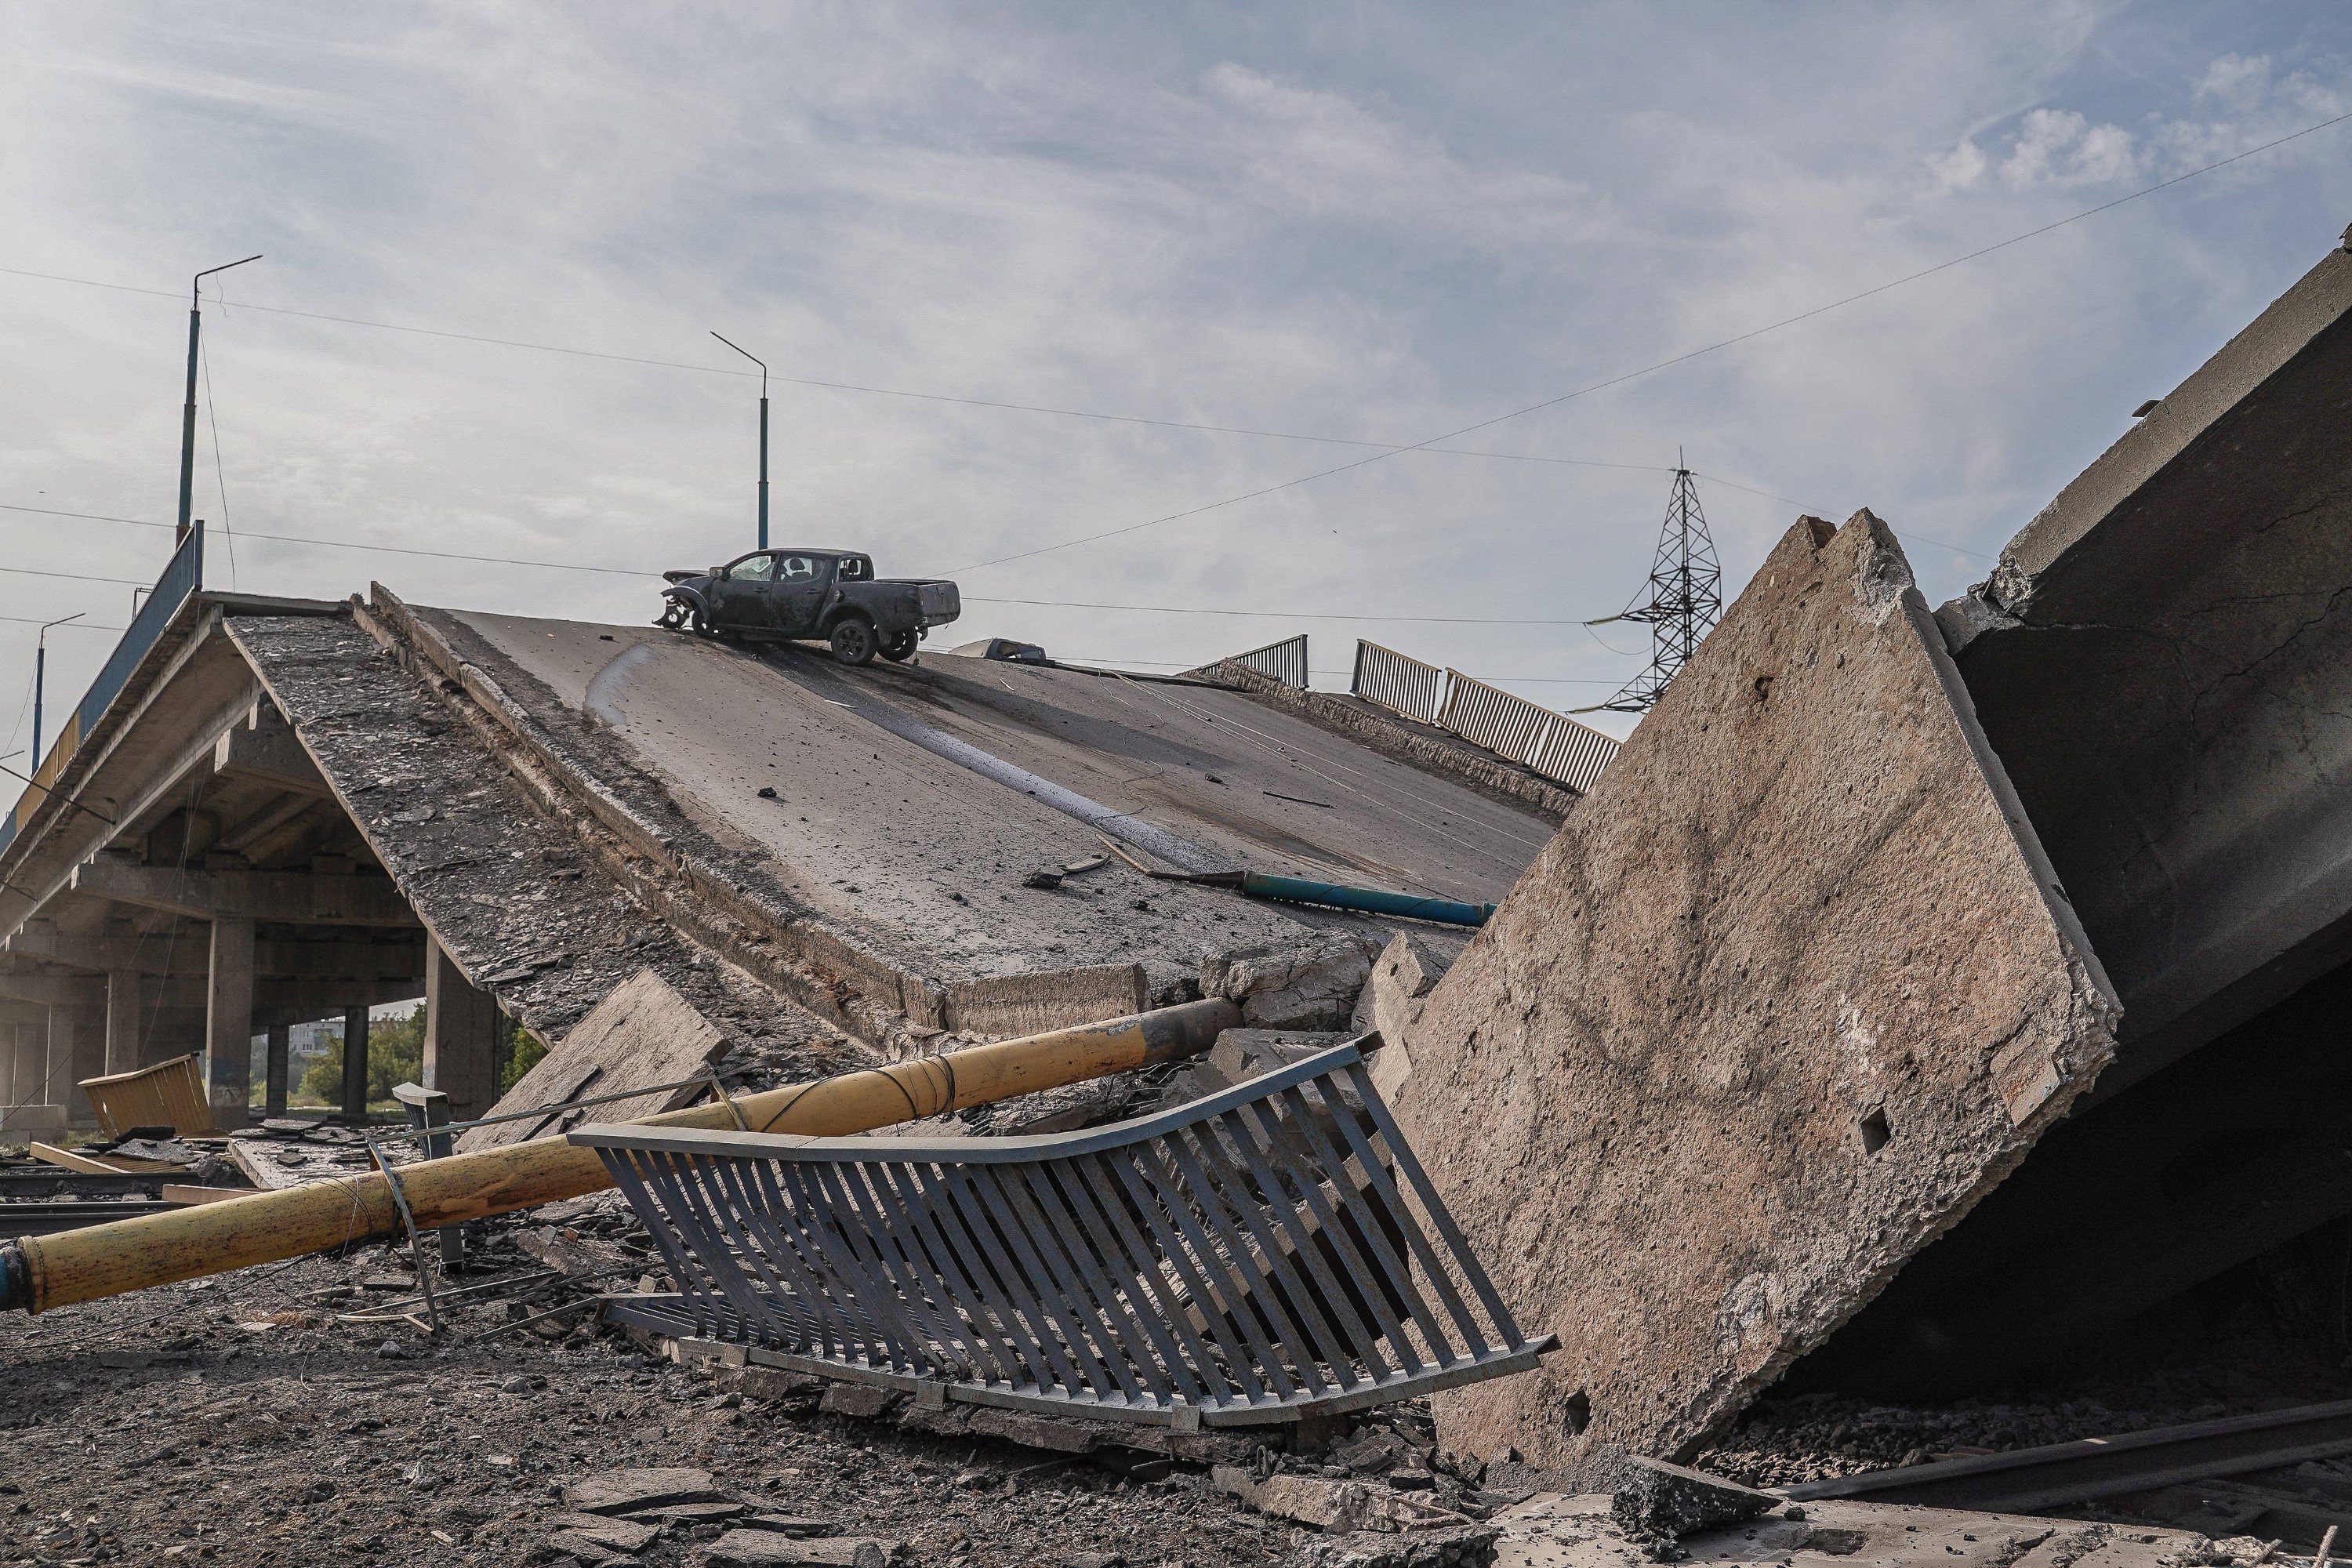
(755, 359)
(40, 677)
(188, 414)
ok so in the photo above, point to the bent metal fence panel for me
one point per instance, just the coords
(1267, 1252)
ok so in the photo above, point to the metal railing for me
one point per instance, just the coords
(1398, 682)
(1285, 661)
(1513, 728)
(1574, 755)
(1267, 1252)
(183, 576)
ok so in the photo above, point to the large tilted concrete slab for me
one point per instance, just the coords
(1788, 994)
(2163, 661)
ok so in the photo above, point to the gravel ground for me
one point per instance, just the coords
(2268, 1335)
(235, 1421)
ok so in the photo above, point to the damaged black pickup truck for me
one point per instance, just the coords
(830, 596)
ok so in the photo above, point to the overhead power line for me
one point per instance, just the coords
(636, 571)
(1000, 404)
(1668, 363)
(75, 576)
(78, 626)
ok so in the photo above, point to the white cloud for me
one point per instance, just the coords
(2240, 102)
(1961, 167)
(2060, 147)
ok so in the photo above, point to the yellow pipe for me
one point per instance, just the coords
(38, 1272)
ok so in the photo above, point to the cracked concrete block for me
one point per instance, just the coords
(863, 1400)
(1407, 970)
(1337, 1506)
(1788, 993)
(1653, 1500)
(1311, 985)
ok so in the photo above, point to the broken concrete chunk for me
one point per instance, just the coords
(1031, 1430)
(1331, 1505)
(1064, 1108)
(864, 1400)
(1241, 1055)
(1654, 1501)
(1454, 1546)
(773, 1548)
(1407, 970)
(769, 1382)
(1310, 985)
(569, 1254)
(580, 1547)
(788, 1524)
(1753, 1028)
(627, 1491)
(691, 1512)
(609, 1535)
(1373, 1455)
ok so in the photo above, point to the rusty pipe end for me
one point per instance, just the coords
(1171, 1034)
(16, 1279)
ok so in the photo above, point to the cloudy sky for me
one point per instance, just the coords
(1330, 230)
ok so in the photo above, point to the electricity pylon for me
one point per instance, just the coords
(1685, 597)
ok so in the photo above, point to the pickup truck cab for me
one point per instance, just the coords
(831, 595)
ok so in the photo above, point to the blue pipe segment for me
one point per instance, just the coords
(1371, 900)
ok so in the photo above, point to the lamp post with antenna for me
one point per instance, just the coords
(40, 678)
(755, 359)
(188, 414)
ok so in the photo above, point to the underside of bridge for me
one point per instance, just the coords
(2163, 662)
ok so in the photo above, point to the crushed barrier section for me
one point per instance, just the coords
(1267, 1253)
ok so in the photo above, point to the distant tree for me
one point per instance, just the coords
(520, 1052)
(395, 1054)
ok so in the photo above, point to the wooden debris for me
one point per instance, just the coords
(643, 1033)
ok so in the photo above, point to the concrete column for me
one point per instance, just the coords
(8, 1065)
(30, 1080)
(126, 993)
(228, 1023)
(355, 1075)
(273, 1094)
(461, 1032)
(87, 1060)
(26, 1114)
(72, 1047)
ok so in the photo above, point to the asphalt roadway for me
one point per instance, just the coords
(873, 825)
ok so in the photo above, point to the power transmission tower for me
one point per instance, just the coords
(1685, 597)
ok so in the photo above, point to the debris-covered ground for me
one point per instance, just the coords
(237, 1421)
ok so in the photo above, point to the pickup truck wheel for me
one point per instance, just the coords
(853, 641)
(899, 646)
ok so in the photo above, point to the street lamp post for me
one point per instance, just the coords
(188, 413)
(755, 359)
(40, 679)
